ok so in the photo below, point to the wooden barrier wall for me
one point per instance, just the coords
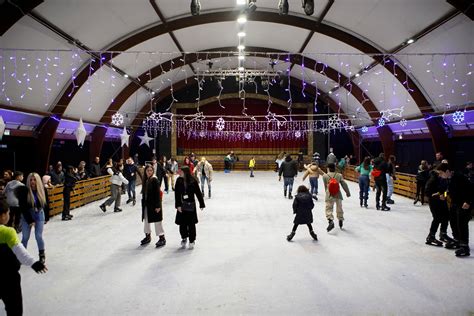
(405, 184)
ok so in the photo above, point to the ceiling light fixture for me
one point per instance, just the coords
(126, 76)
(241, 34)
(241, 68)
(241, 57)
(241, 47)
(241, 2)
(410, 41)
(242, 20)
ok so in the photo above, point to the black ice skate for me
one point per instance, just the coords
(431, 240)
(290, 236)
(385, 208)
(445, 238)
(102, 207)
(452, 245)
(128, 201)
(290, 196)
(161, 242)
(464, 251)
(365, 204)
(313, 234)
(341, 223)
(146, 240)
(134, 202)
(117, 210)
(330, 226)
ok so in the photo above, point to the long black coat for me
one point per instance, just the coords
(302, 206)
(192, 190)
(152, 201)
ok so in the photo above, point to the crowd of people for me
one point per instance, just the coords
(24, 207)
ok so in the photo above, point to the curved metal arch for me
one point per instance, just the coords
(262, 16)
(264, 52)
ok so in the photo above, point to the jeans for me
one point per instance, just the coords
(313, 181)
(38, 219)
(389, 186)
(114, 197)
(251, 172)
(364, 184)
(288, 182)
(203, 180)
(131, 189)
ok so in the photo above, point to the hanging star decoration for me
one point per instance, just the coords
(124, 137)
(389, 114)
(272, 117)
(2, 127)
(199, 117)
(220, 124)
(145, 139)
(157, 117)
(365, 129)
(458, 117)
(80, 133)
(117, 119)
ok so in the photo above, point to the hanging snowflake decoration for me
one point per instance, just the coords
(202, 134)
(297, 134)
(403, 122)
(381, 122)
(220, 124)
(248, 136)
(365, 129)
(117, 119)
(334, 122)
(458, 117)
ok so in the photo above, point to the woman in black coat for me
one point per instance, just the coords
(186, 190)
(151, 207)
(302, 207)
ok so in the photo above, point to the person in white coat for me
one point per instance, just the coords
(117, 180)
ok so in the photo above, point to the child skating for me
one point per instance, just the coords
(302, 207)
(332, 182)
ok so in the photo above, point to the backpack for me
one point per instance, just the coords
(376, 173)
(333, 186)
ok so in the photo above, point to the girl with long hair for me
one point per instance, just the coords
(364, 171)
(35, 213)
(152, 211)
(186, 190)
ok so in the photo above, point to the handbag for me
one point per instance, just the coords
(188, 206)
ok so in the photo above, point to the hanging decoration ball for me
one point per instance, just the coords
(403, 122)
(297, 134)
(381, 122)
(248, 135)
(365, 129)
(202, 134)
(220, 124)
(458, 117)
(117, 119)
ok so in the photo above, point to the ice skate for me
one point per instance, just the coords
(290, 236)
(146, 240)
(445, 238)
(341, 223)
(463, 251)
(183, 243)
(161, 242)
(313, 234)
(191, 245)
(42, 256)
(431, 240)
(331, 225)
(103, 208)
(117, 210)
(452, 245)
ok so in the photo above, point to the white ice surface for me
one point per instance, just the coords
(242, 263)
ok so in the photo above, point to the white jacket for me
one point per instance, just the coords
(118, 179)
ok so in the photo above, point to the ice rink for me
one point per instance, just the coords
(242, 263)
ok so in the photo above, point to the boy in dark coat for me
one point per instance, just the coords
(289, 169)
(302, 207)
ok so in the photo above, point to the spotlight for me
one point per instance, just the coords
(241, 47)
(283, 7)
(241, 68)
(410, 41)
(241, 57)
(242, 19)
(241, 2)
(308, 6)
(195, 7)
(241, 34)
(357, 75)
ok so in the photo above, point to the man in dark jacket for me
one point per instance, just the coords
(95, 168)
(460, 192)
(380, 177)
(130, 173)
(289, 169)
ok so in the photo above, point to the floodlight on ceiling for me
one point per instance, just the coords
(241, 57)
(241, 47)
(242, 19)
(241, 34)
(241, 2)
(410, 41)
(241, 68)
